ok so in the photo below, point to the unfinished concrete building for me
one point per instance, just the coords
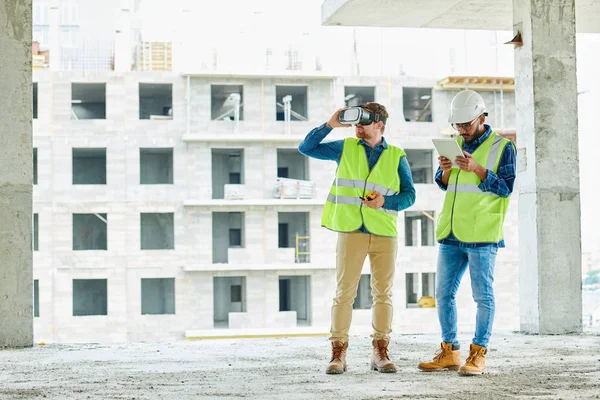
(170, 206)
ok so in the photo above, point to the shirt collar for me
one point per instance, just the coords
(383, 143)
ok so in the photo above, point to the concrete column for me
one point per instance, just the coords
(548, 167)
(16, 172)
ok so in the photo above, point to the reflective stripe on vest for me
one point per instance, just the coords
(474, 216)
(344, 210)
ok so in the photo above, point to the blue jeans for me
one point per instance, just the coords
(452, 264)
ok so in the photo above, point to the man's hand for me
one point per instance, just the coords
(334, 121)
(377, 202)
(445, 164)
(468, 163)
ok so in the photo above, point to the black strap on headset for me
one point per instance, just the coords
(380, 118)
(376, 117)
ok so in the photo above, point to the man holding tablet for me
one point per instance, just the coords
(373, 183)
(469, 228)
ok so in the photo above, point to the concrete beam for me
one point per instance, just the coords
(548, 175)
(16, 172)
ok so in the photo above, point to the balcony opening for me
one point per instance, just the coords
(421, 165)
(89, 166)
(294, 233)
(417, 104)
(364, 298)
(36, 233)
(156, 101)
(88, 101)
(419, 228)
(90, 297)
(292, 176)
(225, 101)
(291, 164)
(158, 296)
(35, 166)
(428, 284)
(412, 290)
(36, 298)
(357, 95)
(156, 166)
(297, 97)
(35, 100)
(227, 173)
(294, 295)
(420, 290)
(90, 231)
(227, 232)
(229, 296)
(157, 231)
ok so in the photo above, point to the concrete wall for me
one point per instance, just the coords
(16, 283)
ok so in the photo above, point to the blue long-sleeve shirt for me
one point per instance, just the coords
(311, 146)
(501, 183)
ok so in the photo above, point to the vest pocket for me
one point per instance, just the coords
(488, 227)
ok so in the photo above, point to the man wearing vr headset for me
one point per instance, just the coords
(469, 228)
(373, 183)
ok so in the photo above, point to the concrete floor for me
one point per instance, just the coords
(520, 367)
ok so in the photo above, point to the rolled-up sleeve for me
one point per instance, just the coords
(311, 146)
(407, 195)
(438, 179)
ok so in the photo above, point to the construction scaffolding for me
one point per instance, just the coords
(302, 249)
(478, 83)
(155, 56)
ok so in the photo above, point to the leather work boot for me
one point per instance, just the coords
(475, 363)
(445, 359)
(337, 365)
(380, 361)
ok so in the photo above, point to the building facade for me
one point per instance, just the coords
(174, 205)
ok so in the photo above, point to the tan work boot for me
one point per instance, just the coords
(475, 363)
(380, 360)
(337, 365)
(445, 359)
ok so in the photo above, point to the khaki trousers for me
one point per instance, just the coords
(352, 249)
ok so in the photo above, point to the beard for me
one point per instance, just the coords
(362, 134)
(467, 138)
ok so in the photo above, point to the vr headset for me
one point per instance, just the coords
(358, 115)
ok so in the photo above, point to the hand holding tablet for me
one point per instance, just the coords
(448, 148)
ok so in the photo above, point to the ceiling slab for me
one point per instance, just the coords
(441, 14)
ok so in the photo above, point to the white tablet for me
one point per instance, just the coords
(448, 148)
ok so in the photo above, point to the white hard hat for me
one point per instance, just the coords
(466, 106)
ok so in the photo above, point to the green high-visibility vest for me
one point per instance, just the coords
(344, 210)
(472, 215)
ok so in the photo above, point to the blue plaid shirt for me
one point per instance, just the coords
(311, 146)
(501, 183)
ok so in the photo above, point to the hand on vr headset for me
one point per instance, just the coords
(334, 121)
